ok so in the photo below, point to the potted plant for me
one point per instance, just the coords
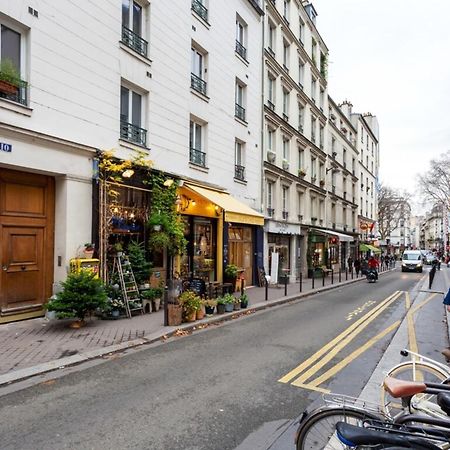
(201, 311)
(141, 267)
(220, 305)
(191, 303)
(244, 301)
(89, 250)
(230, 272)
(157, 294)
(301, 172)
(229, 300)
(82, 293)
(9, 77)
(118, 249)
(210, 305)
(237, 304)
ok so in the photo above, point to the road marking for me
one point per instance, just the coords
(339, 366)
(410, 323)
(294, 372)
(312, 388)
(344, 342)
(416, 308)
(359, 310)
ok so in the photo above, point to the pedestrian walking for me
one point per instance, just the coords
(357, 265)
(350, 263)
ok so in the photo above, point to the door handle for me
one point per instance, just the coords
(5, 268)
(23, 268)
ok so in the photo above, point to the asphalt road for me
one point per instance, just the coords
(218, 387)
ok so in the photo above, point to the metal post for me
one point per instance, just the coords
(351, 272)
(332, 276)
(242, 286)
(340, 275)
(346, 274)
(285, 284)
(323, 278)
(313, 278)
(266, 290)
(301, 281)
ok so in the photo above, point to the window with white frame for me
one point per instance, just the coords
(333, 146)
(313, 208)
(300, 206)
(12, 56)
(301, 30)
(321, 99)
(198, 82)
(285, 201)
(322, 172)
(197, 154)
(313, 89)
(301, 117)
(271, 91)
(286, 47)
(240, 101)
(301, 73)
(301, 159)
(344, 186)
(241, 37)
(285, 104)
(131, 116)
(321, 130)
(271, 37)
(271, 139)
(344, 157)
(286, 149)
(270, 192)
(286, 10)
(313, 169)
(133, 26)
(313, 129)
(239, 160)
(314, 52)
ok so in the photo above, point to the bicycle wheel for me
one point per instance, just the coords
(408, 371)
(318, 431)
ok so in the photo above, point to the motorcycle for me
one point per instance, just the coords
(371, 276)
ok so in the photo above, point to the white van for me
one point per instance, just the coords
(412, 260)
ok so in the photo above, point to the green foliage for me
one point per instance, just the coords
(210, 302)
(163, 213)
(220, 301)
(244, 298)
(152, 293)
(141, 267)
(82, 293)
(231, 271)
(229, 298)
(190, 301)
(9, 72)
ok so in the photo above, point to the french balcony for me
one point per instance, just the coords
(239, 172)
(285, 215)
(241, 50)
(270, 212)
(197, 157)
(134, 41)
(200, 9)
(239, 112)
(133, 133)
(270, 105)
(198, 84)
(14, 93)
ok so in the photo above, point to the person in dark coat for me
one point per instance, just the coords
(350, 263)
(357, 266)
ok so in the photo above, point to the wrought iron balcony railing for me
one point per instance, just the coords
(134, 41)
(241, 50)
(133, 133)
(239, 112)
(270, 212)
(197, 157)
(18, 94)
(285, 215)
(239, 172)
(198, 84)
(200, 9)
(270, 105)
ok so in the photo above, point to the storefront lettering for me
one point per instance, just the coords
(5, 147)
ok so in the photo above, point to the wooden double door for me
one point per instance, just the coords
(26, 241)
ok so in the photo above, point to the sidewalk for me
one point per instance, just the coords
(37, 346)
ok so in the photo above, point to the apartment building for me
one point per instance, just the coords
(180, 82)
(433, 231)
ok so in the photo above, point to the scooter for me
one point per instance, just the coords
(371, 276)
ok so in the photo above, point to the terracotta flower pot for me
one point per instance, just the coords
(190, 316)
(200, 313)
(175, 314)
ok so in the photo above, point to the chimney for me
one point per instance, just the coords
(346, 108)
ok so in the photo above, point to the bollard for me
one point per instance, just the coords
(301, 281)
(267, 290)
(323, 278)
(431, 276)
(346, 274)
(313, 278)
(332, 276)
(351, 272)
(242, 286)
(285, 284)
(340, 276)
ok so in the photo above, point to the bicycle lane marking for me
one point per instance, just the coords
(344, 342)
(305, 364)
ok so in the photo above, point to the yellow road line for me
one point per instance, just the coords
(416, 308)
(338, 367)
(410, 324)
(313, 388)
(294, 372)
(343, 343)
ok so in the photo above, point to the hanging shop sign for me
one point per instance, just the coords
(4, 147)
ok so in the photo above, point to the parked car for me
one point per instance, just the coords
(412, 261)
(429, 258)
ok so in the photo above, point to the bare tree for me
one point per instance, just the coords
(391, 203)
(435, 184)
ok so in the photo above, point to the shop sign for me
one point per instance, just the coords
(4, 147)
(282, 227)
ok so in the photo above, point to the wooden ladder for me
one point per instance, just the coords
(128, 284)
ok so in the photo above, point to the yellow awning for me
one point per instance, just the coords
(235, 211)
(374, 249)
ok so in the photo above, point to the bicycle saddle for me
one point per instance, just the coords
(352, 436)
(400, 388)
(443, 400)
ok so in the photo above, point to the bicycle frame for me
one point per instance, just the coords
(417, 357)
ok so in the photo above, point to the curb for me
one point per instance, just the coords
(39, 369)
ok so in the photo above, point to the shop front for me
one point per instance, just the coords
(220, 230)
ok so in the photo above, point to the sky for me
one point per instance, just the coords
(392, 58)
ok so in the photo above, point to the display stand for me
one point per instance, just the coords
(128, 284)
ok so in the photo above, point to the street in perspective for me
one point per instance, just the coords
(179, 272)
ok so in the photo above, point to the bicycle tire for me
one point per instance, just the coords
(318, 430)
(408, 371)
